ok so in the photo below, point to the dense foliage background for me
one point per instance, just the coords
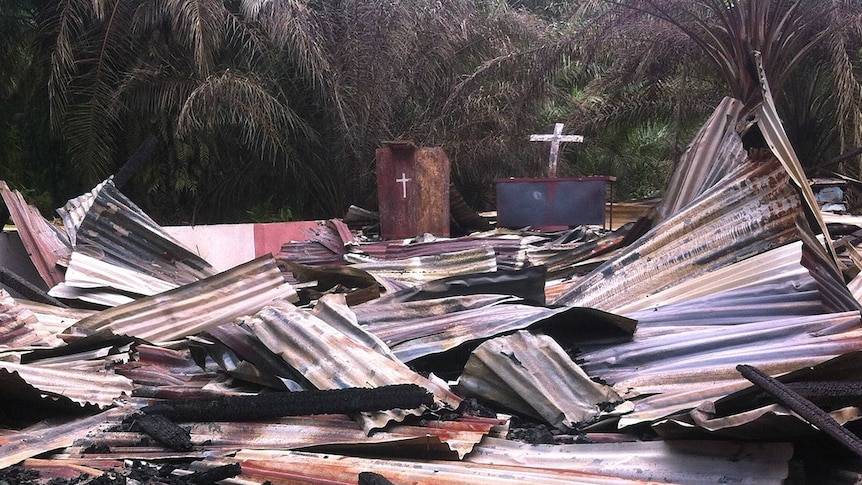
(272, 109)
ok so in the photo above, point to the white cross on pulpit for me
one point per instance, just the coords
(403, 181)
(556, 138)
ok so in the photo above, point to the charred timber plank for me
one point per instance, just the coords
(303, 403)
(371, 478)
(801, 406)
(163, 430)
(213, 475)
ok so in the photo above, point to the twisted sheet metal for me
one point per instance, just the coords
(417, 329)
(449, 439)
(20, 328)
(421, 269)
(510, 249)
(46, 244)
(116, 231)
(678, 371)
(689, 462)
(86, 272)
(713, 153)
(777, 266)
(533, 375)
(87, 387)
(299, 467)
(195, 307)
(330, 358)
(752, 210)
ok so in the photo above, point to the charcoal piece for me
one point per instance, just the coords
(371, 478)
(165, 431)
(302, 403)
(213, 475)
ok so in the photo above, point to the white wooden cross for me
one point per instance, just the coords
(403, 181)
(556, 138)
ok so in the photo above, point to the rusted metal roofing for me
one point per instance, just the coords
(413, 330)
(20, 328)
(420, 269)
(99, 388)
(690, 462)
(46, 244)
(331, 359)
(533, 375)
(715, 151)
(510, 249)
(195, 307)
(115, 231)
(34, 442)
(680, 370)
(752, 210)
(300, 467)
(451, 439)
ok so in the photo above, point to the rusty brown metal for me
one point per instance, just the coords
(413, 190)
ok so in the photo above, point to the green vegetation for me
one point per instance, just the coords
(267, 109)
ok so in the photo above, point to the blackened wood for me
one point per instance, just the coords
(371, 478)
(163, 430)
(26, 289)
(801, 406)
(277, 404)
(208, 477)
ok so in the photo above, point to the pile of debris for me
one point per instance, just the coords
(716, 341)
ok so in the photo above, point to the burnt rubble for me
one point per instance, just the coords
(718, 339)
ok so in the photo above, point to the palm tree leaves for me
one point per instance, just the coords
(265, 123)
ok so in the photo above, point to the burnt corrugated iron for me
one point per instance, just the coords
(533, 375)
(116, 231)
(87, 387)
(195, 307)
(691, 462)
(411, 334)
(46, 244)
(421, 269)
(330, 358)
(754, 209)
(20, 328)
(677, 371)
(300, 467)
(715, 151)
(510, 249)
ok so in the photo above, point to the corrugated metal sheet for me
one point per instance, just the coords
(299, 467)
(690, 462)
(115, 230)
(510, 249)
(412, 337)
(56, 319)
(422, 269)
(533, 375)
(193, 308)
(714, 152)
(449, 439)
(330, 359)
(46, 244)
(777, 266)
(30, 443)
(678, 371)
(99, 388)
(753, 210)
(772, 129)
(19, 327)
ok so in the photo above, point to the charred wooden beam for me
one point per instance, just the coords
(371, 478)
(165, 431)
(801, 406)
(213, 475)
(278, 404)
